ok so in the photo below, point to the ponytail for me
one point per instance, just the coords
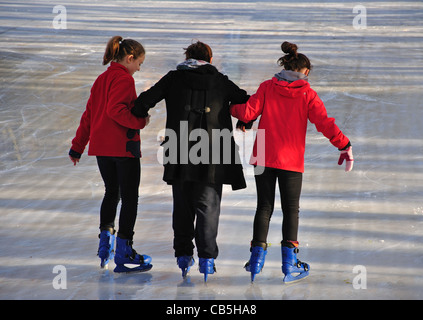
(292, 60)
(117, 48)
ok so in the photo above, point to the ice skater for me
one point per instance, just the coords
(285, 103)
(197, 99)
(114, 138)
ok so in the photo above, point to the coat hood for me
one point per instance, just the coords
(199, 75)
(290, 83)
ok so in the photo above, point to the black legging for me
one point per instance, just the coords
(121, 176)
(290, 183)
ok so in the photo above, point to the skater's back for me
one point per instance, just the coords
(196, 162)
(285, 103)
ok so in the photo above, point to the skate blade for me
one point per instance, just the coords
(206, 274)
(207, 269)
(292, 279)
(105, 261)
(185, 271)
(252, 270)
(104, 264)
(253, 275)
(124, 269)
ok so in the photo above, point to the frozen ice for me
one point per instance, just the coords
(370, 79)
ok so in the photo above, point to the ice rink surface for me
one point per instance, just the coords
(361, 232)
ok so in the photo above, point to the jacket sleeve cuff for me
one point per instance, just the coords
(247, 125)
(74, 154)
(139, 109)
(346, 147)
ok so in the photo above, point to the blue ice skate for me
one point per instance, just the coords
(292, 268)
(206, 266)
(125, 254)
(106, 247)
(256, 262)
(185, 263)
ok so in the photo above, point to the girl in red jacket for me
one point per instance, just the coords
(286, 102)
(113, 133)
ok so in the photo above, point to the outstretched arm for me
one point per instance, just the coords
(148, 99)
(251, 109)
(324, 124)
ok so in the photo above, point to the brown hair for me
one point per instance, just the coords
(199, 51)
(293, 60)
(117, 49)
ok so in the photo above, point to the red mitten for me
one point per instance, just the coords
(348, 156)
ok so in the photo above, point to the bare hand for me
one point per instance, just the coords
(74, 160)
(147, 120)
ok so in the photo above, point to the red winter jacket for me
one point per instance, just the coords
(285, 108)
(107, 122)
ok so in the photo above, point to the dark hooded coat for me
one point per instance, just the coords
(197, 98)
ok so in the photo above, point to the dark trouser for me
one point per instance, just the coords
(201, 202)
(121, 176)
(290, 183)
